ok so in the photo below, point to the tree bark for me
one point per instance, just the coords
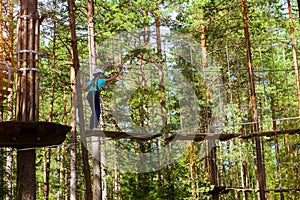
(97, 177)
(47, 153)
(10, 157)
(259, 161)
(294, 52)
(47, 158)
(74, 71)
(298, 3)
(27, 93)
(1, 114)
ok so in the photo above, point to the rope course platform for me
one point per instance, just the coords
(31, 134)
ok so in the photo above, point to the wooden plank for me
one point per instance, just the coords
(31, 134)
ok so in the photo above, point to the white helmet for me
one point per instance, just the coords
(98, 71)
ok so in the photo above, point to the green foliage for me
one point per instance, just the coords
(217, 26)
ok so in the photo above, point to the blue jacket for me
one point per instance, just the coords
(96, 84)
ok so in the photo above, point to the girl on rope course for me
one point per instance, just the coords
(93, 87)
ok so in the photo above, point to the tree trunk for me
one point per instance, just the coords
(9, 157)
(259, 161)
(97, 179)
(210, 158)
(294, 51)
(9, 174)
(2, 172)
(27, 93)
(97, 190)
(298, 3)
(47, 158)
(47, 153)
(60, 172)
(162, 100)
(274, 124)
(62, 155)
(74, 71)
(1, 114)
(192, 170)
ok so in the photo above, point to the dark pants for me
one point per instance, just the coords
(93, 98)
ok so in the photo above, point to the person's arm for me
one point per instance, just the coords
(113, 77)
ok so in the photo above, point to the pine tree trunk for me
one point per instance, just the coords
(2, 172)
(259, 157)
(47, 158)
(60, 174)
(27, 93)
(97, 178)
(47, 153)
(274, 124)
(162, 100)
(9, 174)
(210, 159)
(63, 156)
(74, 71)
(9, 157)
(243, 164)
(192, 170)
(294, 52)
(97, 190)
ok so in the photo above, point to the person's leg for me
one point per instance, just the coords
(97, 107)
(90, 98)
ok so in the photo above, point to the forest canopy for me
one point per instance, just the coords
(206, 105)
